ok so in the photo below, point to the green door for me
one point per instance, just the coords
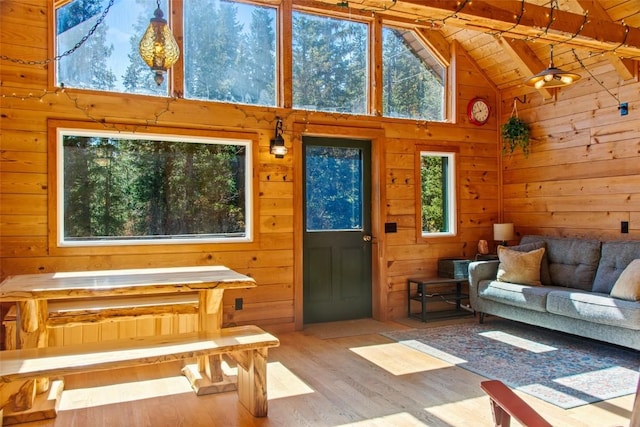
(337, 224)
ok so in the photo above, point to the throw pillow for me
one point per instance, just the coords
(519, 267)
(627, 286)
(545, 277)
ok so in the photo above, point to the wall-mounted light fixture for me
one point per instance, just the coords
(158, 47)
(277, 147)
(552, 77)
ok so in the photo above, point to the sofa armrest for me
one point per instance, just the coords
(481, 270)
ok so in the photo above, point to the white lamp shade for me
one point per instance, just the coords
(503, 232)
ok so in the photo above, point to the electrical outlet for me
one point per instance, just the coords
(624, 109)
(239, 303)
(624, 227)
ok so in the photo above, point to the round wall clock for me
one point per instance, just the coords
(478, 111)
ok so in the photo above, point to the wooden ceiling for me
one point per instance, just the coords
(510, 39)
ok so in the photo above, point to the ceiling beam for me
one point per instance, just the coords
(525, 58)
(624, 67)
(501, 16)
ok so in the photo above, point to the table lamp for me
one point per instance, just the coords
(503, 233)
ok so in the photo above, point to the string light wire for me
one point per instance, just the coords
(86, 37)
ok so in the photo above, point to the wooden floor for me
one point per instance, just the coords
(345, 380)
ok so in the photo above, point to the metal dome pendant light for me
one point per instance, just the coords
(158, 47)
(552, 77)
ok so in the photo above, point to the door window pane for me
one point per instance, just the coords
(413, 80)
(333, 188)
(437, 180)
(329, 64)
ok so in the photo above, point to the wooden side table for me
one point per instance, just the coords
(417, 290)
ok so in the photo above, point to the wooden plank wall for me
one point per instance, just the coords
(582, 177)
(25, 202)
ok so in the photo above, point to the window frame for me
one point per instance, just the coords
(452, 185)
(57, 244)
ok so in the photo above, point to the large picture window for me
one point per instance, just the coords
(118, 188)
(437, 193)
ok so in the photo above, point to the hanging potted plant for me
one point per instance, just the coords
(515, 133)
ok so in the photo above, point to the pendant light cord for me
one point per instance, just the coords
(594, 77)
(68, 52)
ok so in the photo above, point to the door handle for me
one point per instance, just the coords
(367, 237)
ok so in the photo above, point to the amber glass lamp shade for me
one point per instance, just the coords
(158, 47)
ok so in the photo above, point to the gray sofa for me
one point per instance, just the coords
(577, 276)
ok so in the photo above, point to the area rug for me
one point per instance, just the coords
(561, 369)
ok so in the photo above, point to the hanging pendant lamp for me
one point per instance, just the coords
(552, 77)
(158, 47)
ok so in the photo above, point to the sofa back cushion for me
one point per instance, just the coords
(614, 259)
(572, 262)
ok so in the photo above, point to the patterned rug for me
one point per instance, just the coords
(562, 369)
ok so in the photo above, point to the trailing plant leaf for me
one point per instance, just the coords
(515, 133)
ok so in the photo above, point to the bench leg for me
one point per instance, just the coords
(252, 380)
(500, 417)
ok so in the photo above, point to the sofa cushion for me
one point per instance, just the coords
(594, 307)
(572, 262)
(519, 267)
(531, 297)
(614, 259)
(627, 286)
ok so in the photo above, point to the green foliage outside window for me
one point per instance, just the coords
(437, 207)
(118, 188)
(333, 188)
(329, 64)
(412, 80)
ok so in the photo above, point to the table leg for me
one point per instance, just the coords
(207, 376)
(423, 301)
(30, 400)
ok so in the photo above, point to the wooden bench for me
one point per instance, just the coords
(69, 313)
(506, 404)
(247, 345)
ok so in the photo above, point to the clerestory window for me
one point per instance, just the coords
(413, 81)
(329, 64)
(230, 53)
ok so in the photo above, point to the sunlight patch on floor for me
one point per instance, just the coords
(281, 382)
(624, 377)
(399, 359)
(123, 392)
(515, 341)
(402, 419)
(460, 412)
